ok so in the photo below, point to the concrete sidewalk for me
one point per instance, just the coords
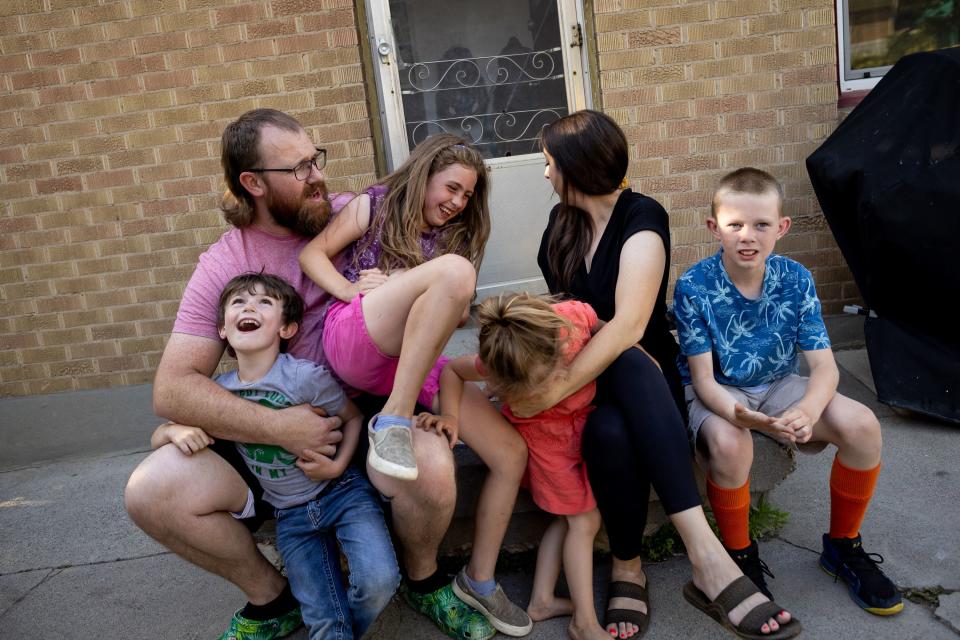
(72, 565)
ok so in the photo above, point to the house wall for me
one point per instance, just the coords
(111, 112)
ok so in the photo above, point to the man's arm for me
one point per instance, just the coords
(184, 393)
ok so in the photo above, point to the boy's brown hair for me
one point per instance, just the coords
(747, 180)
(292, 305)
(519, 332)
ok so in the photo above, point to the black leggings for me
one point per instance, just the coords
(634, 439)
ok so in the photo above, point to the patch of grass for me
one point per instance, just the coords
(766, 521)
(929, 596)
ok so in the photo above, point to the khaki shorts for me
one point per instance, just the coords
(782, 394)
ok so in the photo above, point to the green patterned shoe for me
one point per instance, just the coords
(245, 629)
(450, 614)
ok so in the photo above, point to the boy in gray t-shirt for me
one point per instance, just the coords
(319, 500)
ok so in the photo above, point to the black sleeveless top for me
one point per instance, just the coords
(634, 212)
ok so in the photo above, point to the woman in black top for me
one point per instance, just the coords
(610, 247)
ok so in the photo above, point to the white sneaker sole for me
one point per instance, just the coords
(388, 468)
(496, 623)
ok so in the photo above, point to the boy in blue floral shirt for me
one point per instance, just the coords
(742, 315)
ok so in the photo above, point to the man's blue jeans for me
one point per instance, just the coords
(349, 513)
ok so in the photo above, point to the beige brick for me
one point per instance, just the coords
(627, 59)
(822, 56)
(810, 75)
(688, 53)
(824, 94)
(737, 8)
(146, 101)
(747, 46)
(168, 79)
(136, 193)
(100, 144)
(112, 332)
(120, 363)
(54, 95)
(713, 30)
(103, 51)
(54, 58)
(209, 37)
(106, 179)
(32, 206)
(776, 23)
(200, 94)
(90, 71)
(328, 20)
(693, 163)
(95, 108)
(606, 6)
(34, 79)
(632, 97)
(280, 66)
(163, 172)
(101, 13)
(222, 73)
(25, 43)
(27, 372)
(248, 50)
(93, 350)
(781, 135)
(93, 232)
(748, 84)
(752, 120)
(27, 171)
(179, 21)
(239, 14)
(78, 36)
(681, 15)
(160, 42)
(820, 17)
(131, 158)
(610, 41)
(181, 116)
(57, 185)
(79, 165)
(784, 98)
(224, 110)
(779, 61)
(70, 130)
(247, 88)
(688, 90)
(271, 28)
(721, 142)
(808, 114)
(662, 112)
(692, 127)
(718, 68)
(43, 354)
(194, 58)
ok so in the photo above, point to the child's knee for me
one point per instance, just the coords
(861, 429)
(457, 271)
(727, 443)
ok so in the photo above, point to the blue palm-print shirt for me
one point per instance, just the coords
(754, 342)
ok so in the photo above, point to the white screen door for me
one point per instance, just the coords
(494, 72)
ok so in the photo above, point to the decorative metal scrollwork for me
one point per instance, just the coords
(489, 128)
(483, 71)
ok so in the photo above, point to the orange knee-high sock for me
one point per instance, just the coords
(731, 508)
(850, 493)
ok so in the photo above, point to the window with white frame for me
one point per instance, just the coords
(873, 34)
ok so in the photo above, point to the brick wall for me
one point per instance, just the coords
(110, 116)
(703, 88)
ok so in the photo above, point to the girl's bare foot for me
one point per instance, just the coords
(553, 608)
(591, 631)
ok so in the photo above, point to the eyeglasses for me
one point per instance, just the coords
(302, 171)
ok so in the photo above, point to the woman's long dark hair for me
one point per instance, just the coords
(590, 152)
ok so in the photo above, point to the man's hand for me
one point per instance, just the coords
(799, 420)
(303, 427)
(444, 425)
(758, 421)
(318, 467)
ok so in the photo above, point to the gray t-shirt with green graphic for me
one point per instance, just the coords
(288, 383)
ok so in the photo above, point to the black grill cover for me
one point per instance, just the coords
(888, 182)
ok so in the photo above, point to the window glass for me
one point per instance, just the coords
(880, 32)
(489, 71)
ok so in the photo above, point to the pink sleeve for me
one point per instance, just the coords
(579, 313)
(197, 315)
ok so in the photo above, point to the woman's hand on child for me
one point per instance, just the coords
(445, 425)
(188, 439)
(317, 466)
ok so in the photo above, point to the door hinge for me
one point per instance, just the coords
(576, 35)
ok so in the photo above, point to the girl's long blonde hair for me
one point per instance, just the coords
(402, 209)
(519, 333)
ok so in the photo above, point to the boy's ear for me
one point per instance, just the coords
(222, 330)
(287, 331)
(252, 183)
(713, 227)
(784, 226)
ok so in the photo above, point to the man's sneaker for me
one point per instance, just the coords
(449, 613)
(505, 616)
(391, 451)
(753, 567)
(869, 587)
(245, 629)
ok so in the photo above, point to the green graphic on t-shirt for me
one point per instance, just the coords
(267, 453)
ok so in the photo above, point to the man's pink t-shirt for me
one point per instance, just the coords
(251, 249)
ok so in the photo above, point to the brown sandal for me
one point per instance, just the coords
(751, 627)
(632, 590)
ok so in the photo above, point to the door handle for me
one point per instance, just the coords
(383, 49)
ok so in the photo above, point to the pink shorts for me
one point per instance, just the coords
(357, 361)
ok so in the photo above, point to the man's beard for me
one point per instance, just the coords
(301, 214)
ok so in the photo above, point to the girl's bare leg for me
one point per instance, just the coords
(578, 568)
(544, 603)
(502, 449)
(412, 315)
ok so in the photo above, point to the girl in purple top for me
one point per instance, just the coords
(408, 250)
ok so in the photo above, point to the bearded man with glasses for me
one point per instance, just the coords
(204, 506)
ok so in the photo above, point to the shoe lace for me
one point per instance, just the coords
(755, 569)
(865, 566)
